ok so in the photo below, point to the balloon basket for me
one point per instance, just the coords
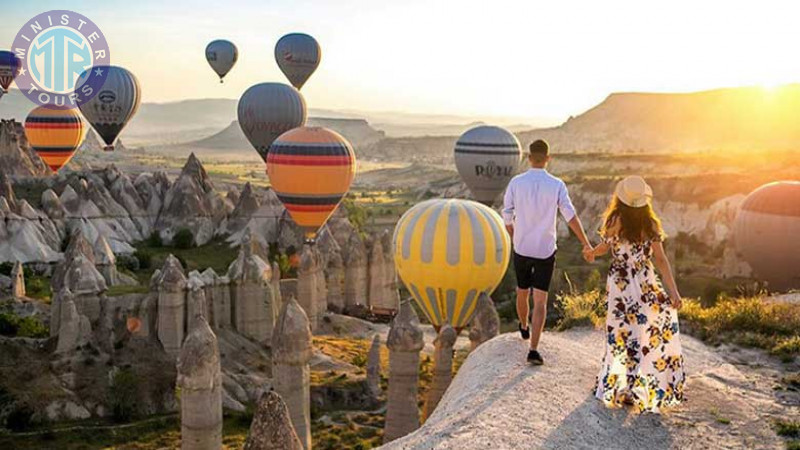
(108, 148)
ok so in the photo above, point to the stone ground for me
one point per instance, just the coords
(499, 401)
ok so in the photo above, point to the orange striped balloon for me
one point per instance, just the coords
(54, 134)
(311, 169)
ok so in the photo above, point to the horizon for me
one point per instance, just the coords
(682, 49)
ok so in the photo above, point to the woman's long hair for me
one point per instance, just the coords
(631, 224)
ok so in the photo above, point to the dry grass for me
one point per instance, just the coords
(581, 309)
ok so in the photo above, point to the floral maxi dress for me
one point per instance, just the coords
(643, 359)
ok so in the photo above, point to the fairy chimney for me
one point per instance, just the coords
(334, 280)
(171, 288)
(291, 353)
(485, 322)
(442, 367)
(252, 298)
(355, 274)
(18, 280)
(404, 343)
(374, 367)
(272, 428)
(200, 383)
(307, 291)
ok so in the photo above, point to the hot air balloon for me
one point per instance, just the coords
(221, 56)
(486, 158)
(766, 233)
(268, 110)
(9, 68)
(311, 169)
(447, 252)
(115, 103)
(54, 134)
(298, 56)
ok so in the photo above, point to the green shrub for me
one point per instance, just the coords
(20, 418)
(6, 268)
(38, 287)
(129, 263)
(154, 240)
(183, 239)
(14, 326)
(123, 395)
(144, 257)
(789, 429)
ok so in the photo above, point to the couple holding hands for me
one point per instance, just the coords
(643, 363)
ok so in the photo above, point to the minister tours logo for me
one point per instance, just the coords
(62, 59)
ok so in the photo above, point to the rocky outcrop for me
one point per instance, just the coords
(200, 382)
(192, 203)
(355, 273)
(291, 352)
(16, 155)
(24, 239)
(307, 289)
(254, 305)
(334, 281)
(218, 296)
(382, 293)
(106, 261)
(73, 329)
(442, 367)
(196, 305)
(404, 342)
(246, 205)
(374, 367)
(171, 286)
(17, 281)
(485, 322)
(272, 428)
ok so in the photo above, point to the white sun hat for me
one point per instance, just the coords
(634, 191)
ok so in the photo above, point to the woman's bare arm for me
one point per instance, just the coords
(662, 264)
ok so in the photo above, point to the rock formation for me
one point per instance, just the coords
(252, 297)
(291, 352)
(276, 285)
(106, 261)
(391, 296)
(196, 305)
(200, 382)
(218, 298)
(374, 367)
(382, 294)
(307, 290)
(246, 205)
(404, 342)
(191, 202)
(355, 274)
(16, 155)
(17, 280)
(171, 305)
(442, 367)
(73, 328)
(485, 322)
(334, 281)
(272, 428)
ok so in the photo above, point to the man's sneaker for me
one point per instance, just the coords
(525, 332)
(535, 358)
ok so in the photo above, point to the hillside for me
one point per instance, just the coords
(734, 119)
(498, 401)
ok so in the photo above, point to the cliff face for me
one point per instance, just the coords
(497, 400)
(17, 158)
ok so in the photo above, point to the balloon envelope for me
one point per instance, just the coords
(766, 233)
(9, 67)
(116, 102)
(221, 56)
(54, 134)
(268, 110)
(486, 158)
(447, 252)
(298, 55)
(311, 169)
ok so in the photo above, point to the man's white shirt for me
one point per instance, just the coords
(530, 204)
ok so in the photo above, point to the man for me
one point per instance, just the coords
(531, 202)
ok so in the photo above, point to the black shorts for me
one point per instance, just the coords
(534, 272)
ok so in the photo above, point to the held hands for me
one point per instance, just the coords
(588, 253)
(676, 300)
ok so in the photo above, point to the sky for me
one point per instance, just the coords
(526, 61)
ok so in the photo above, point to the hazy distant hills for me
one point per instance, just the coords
(723, 119)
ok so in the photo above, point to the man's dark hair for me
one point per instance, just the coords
(539, 148)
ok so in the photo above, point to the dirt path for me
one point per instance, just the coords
(498, 401)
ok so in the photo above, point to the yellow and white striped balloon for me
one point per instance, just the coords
(448, 251)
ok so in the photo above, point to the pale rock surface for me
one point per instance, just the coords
(334, 281)
(405, 341)
(307, 290)
(171, 287)
(442, 367)
(200, 381)
(374, 367)
(497, 400)
(272, 428)
(485, 322)
(291, 353)
(74, 329)
(196, 304)
(246, 205)
(218, 298)
(355, 274)
(251, 295)
(17, 281)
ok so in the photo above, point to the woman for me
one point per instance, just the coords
(643, 363)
